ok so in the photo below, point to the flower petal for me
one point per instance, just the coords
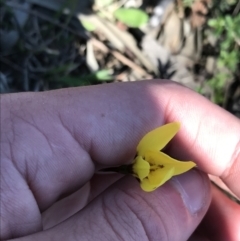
(160, 176)
(141, 168)
(157, 139)
(156, 179)
(162, 160)
(147, 186)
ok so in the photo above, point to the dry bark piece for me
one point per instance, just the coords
(90, 58)
(200, 9)
(172, 40)
(154, 50)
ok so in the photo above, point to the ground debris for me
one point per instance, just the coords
(48, 45)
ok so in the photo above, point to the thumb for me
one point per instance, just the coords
(125, 212)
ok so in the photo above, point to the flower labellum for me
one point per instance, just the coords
(153, 167)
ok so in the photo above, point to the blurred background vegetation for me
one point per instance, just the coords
(50, 44)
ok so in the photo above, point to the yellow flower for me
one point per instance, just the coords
(153, 167)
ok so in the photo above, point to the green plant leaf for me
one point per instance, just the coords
(225, 45)
(132, 17)
(103, 75)
(212, 23)
(74, 81)
(88, 25)
(89, 79)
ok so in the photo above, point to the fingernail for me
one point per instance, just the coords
(192, 187)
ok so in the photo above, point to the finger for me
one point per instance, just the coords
(53, 133)
(53, 137)
(209, 135)
(222, 219)
(68, 206)
(218, 181)
(198, 237)
(100, 182)
(50, 139)
(125, 212)
(68, 124)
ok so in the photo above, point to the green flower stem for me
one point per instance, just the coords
(124, 169)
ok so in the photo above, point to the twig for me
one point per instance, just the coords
(46, 18)
(237, 8)
(11, 64)
(180, 6)
(237, 40)
(119, 40)
(26, 74)
(130, 64)
(121, 58)
(100, 45)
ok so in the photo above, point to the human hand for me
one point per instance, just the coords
(52, 142)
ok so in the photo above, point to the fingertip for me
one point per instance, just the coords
(194, 188)
(223, 218)
(125, 212)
